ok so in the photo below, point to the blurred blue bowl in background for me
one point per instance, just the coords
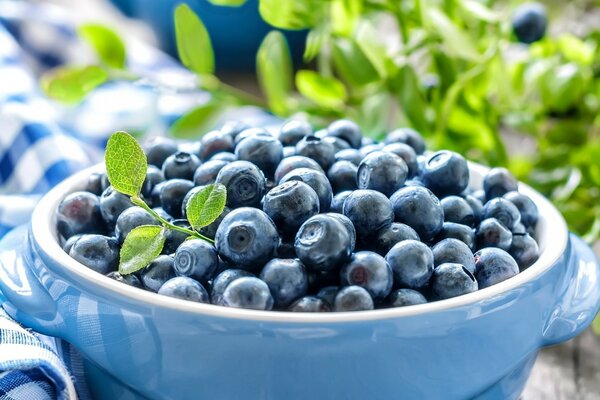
(236, 32)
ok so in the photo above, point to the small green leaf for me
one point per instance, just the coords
(324, 91)
(142, 245)
(562, 87)
(455, 40)
(126, 163)
(291, 14)
(72, 84)
(314, 41)
(367, 39)
(274, 70)
(193, 42)
(206, 205)
(352, 64)
(405, 86)
(197, 121)
(227, 3)
(107, 43)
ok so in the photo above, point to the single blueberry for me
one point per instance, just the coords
(476, 207)
(77, 213)
(172, 193)
(264, 151)
(494, 265)
(407, 136)
(351, 155)
(342, 176)
(248, 292)
(491, 233)
(97, 252)
(215, 142)
(95, 183)
(245, 183)
(247, 238)
(392, 234)
(157, 150)
(175, 238)
(407, 154)
(453, 251)
(457, 209)
(132, 218)
(346, 130)
(317, 181)
(524, 249)
(405, 297)
(221, 282)
(293, 131)
(112, 204)
(207, 172)
(154, 176)
(445, 173)
(70, 242)
(130, 279)
(420, 209)
(369, 212)
(310, 304)
(529, 22)
(412, 264)
(158, 272)
(369, 270)
(382, 171)
(337, 203)
(526, 206)
(180, 165)
(197, 259)
(185, 288)
(317, 149)
(286, 279)
(291, 163)
(464, 233)
(290, 204)
(327, 294)
(353, 298)
(498, 182)
(503, 210)
(451, 280)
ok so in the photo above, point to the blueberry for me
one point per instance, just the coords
(529, 22)
(211, 229)
(405, 297)
(310, 304)
(158, 149)
(158, 272)
(290, 204)
(346, 130)
(412, 264)
(286, 279)
(79, 212)
(526, 206)
(337, 203)
(95, 183)
(524, 249)
(112, 204)
(317, 181)
(366, 150)
(70, 242)
(247, 238)
(233, 128)
(224, 156)
(445, 173)
(172, 193)
(175, 238)
(293, 131)
(476, 207)
(369, 212)
(215, 142)
(407, 154)
(264, 151)
(291, 163)
(420, 209)
(338, 144)
(369, 270)
(180, 165)
(130, 279)
(491, 233)
(498, 182)
(327, 294)
(453, 251)
(348, 225)
(97, 252)
(318, 149)
(251, 132)
(132, 218)
(248, 292)
(464, 233)
(154, 176)
(494, 265)
(207, 173)
(392, 234)
(289, 151)
(323, 243)
(353, 298)
(221, 282)
(457, 209)
(351, 155)
(197, 259)
(342, 176)
(451, 280)
(182, 287)
(245, 183)
(407, 136)
(503, 210)
(382, 171)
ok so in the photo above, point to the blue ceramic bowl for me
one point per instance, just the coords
(141, 345)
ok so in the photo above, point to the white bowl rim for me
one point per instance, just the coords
(552, 235)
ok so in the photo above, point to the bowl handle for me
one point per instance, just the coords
(579, 303)
(22, 295)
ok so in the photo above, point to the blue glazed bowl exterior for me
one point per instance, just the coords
(141, 345)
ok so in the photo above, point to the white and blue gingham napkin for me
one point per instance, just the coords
(42, 143)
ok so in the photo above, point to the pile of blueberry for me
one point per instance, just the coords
(315, 221)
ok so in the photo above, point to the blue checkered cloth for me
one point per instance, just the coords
(42, 143)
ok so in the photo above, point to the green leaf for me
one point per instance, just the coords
(291, 14)
(562, 87)
(193, 43)
(327, 92)
(142, 245)
(455, 40)
(405, 85)
(367, 39)
(576, 50)
(206, 205)
(126, 163)
(197, 121)
(72, 84)
(352, 64)
(274, 70)
(107, 43)
(227, 3)
(478, 10)
(314, 41)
